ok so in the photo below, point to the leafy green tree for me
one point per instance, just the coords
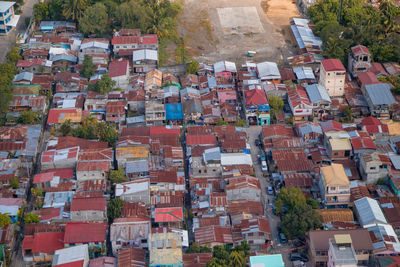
(244, 247)
(14, 183)
(221, 122)
(56, 10)
(236, 259)
(41, 11)
(114, 208)
(298, 221)
(66, 128)
(37, 191)
(4, 220)
(31, 218)
(88, 67)
(193, 67)
(276, 104)
(240, 123)
(117, 176)
(104, 85)
(313, 203)
(289, 198)
(14, 55)
(214, 262)
(389, 13)
(221, 253)
(194, 248)
(73, 9)
(348, 114)
(28, 117)
(94, 20)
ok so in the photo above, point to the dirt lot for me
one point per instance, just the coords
(217, 30)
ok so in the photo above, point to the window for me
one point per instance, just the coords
(336, 153)
(332, 188)
(347, 153)
(372, 168)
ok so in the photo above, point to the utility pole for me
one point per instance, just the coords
(340, 12)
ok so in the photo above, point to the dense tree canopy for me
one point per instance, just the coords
(103, 86)
(359, 24)
(94, 20)
(289, 198)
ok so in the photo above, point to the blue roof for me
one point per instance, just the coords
(274, 260)
(174, 111)
(317, 92)
(380, 94)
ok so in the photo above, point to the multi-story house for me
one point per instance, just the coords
(243, 187)
(119, 73)
(341, 252)
(135, 191)
(97, 48)
(338, 144)
(359, 60)
(123, 45)
(256, 231)
(257, 107)
(332, 76)
(88, 209)
(8, 19)
(299, 104)
(334, 185)
(374, 166)
(155, 112)
(318, 243)
(379, 98)
(125, 231)
(165, 249)
(319, 99)
(92, 234)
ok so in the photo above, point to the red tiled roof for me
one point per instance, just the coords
(168, 214)
(332, 65)
(370, 121)
(43, 177)
(291, 160)
(44, 242)
(360, 49)
(243, 182)
(66, 173)
(214, 234)
(93, 166)
(103, 154)
(71, 264)
(363, 143)
(162, 130)
(29, 62)
(118, 67)
(277, 130)
(201, 140)
(245, 206)
(56, 115)
(376, 129)
(255, 97)
(366, 78)
(299, 97)
(132, 257)
(89, 203)
(115, 107)
(49, 213)
(298, 179)
(330, 125)
(83, 232)
(377, 68)
(196, 259)
(70, 141)
(144, 39)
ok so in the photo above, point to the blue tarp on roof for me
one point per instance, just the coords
(174, 111)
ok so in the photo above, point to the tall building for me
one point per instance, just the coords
(8, 19)
(332, 76)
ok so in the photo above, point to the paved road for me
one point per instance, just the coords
(6, 42)
(253, 132)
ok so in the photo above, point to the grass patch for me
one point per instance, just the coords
(162, 53)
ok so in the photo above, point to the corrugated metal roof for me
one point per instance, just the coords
(268, 71)
(5, 5)
(145, 54)
(380, 94)
(137, 166)
(369, 211)
(23, 76)
(317, 92)
(224, 66)
(303, 73)
(395, 159)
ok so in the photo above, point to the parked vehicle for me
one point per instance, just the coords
(298, 257)
(282, 238)
(258, 142)
(270, 190)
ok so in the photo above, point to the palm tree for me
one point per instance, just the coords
(389, 14)
(236, 259)
(73, 9)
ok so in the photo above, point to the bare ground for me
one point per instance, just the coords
(210, 38)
